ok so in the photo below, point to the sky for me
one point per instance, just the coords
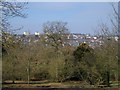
(82, 17)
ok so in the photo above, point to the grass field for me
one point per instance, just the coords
(46, 83)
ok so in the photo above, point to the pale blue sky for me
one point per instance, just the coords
(81, 17)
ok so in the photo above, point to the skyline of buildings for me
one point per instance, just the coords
(73, 39)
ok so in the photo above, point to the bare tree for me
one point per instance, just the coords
(110, 45)
(8, 41)
(10, 9)
(55, 33)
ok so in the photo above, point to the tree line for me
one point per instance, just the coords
(49, 59)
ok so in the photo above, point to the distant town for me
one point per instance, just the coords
(73, 39)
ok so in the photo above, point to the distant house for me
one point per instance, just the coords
(73, 39)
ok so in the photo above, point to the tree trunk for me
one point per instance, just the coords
(13, 81)
(108, 78)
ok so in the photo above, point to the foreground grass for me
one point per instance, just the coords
(46, 83)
